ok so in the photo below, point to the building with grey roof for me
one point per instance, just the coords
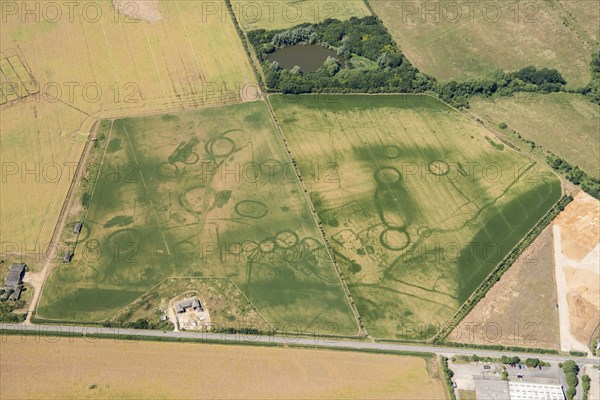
(535, 391)
(491, 389)
(15, 276)
(194, 304)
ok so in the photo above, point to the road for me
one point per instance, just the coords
(324, 342)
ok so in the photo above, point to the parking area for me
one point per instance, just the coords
(465, 374)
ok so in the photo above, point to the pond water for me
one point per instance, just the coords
(308, 57)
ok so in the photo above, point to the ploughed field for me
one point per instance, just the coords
(206, 193)
(418, 202)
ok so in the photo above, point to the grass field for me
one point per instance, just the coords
(418, 203)
(116, 66)
(62, 368)
(200, 194)
(566, 124)
(520, 310)
(270, 15)
(451, 40)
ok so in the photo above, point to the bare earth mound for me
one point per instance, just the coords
(577, 258)
(91, 368)
(520, 310)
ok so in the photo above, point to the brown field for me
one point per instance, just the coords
(94, 64)
(564, 123)
(580, 226)
(452, 42)
(519, 310)
(92, 368)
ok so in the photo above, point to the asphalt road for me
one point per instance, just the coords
(325, 342)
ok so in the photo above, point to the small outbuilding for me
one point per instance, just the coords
(77, 227)
(15, 295)
(68, 256)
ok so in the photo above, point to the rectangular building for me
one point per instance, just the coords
(535, 391)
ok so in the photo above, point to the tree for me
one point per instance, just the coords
(331, 66)
(532, 362)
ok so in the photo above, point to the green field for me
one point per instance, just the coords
(418, 203)
(460, 40)
(203, 193)
(566, 124)
(269, 15)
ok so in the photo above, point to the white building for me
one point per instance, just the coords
(535, 391)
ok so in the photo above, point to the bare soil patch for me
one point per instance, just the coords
(146, 9)
(580, 226)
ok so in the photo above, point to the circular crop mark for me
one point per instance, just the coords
(311, 244)
(192, 159)
(387, 175)
(251, 209)
(286, 239)
(439, 168)
(220, 147)
(391, 151)
(393, 239)
(167, 170)
(267, 245)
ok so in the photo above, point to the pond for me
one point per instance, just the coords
(308, 57)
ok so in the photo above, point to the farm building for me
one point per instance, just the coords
(68, 256)
(194, 304)
(77, 227)
(14, 277)
(15, 295)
